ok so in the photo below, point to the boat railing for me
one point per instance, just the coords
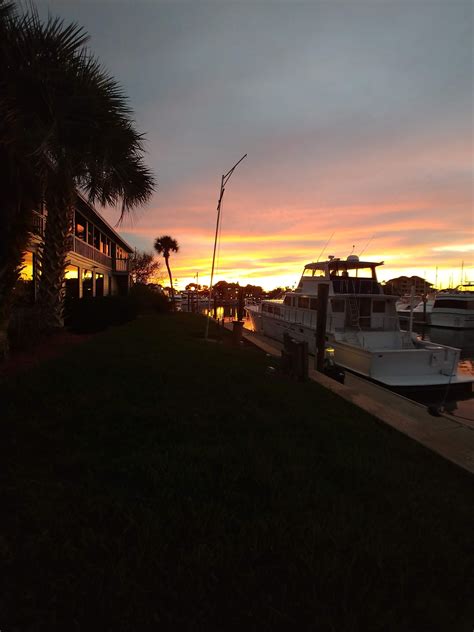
(342, 285)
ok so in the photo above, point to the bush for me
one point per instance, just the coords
(92, 314)
(25, 328)
(147, 299)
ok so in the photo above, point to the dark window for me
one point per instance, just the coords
(90, 233)
(451, 302)
(287, 300)
(80, 228)
(313, 303)
(378, 307)
(338, 305)
(96, 238)
(303, 302)
(87, 283)
(99, 284)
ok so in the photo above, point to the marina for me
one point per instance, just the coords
(363, 333)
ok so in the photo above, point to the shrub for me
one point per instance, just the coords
(25, 328)
(147, 299)
(92, 314)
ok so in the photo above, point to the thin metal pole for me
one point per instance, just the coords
(221, 194)
(224, 180)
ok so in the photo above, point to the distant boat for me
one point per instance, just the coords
(421, 314)
(363, 328)
(454, 308)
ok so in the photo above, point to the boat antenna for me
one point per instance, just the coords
(367, 245)
(322, 251)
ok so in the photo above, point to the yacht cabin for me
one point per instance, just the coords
(356, 299)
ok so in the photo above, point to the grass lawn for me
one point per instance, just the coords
(151, 480)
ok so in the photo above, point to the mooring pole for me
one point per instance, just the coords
(412, 298)
(323, 294)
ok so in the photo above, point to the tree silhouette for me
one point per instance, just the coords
(76, 133)
(165, 245)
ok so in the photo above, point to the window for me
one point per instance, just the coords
(338, 305)
(287, 300)
(452, 303)
(90, 233)
(378, 307)
(25, 287)
(303, 302)
(26, 273)
(96, 238)
(103, 243)
(87, 288)
(99, 284)
(80, 227)
(71, 281)
(313, 303)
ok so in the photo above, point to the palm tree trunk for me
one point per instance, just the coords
(60, 207)
(171, 283)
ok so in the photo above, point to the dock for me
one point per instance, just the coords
(446, 435)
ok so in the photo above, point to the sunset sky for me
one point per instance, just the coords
(357, 118)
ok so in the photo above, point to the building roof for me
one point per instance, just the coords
(88, 210)
(406, 278)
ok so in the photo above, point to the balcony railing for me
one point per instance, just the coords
(38, 223)
(121, 265)
(84, 249)
(355, 286)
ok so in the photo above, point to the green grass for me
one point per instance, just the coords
(151, 480)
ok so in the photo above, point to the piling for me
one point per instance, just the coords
(323, 294)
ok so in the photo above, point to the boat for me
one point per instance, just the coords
(422, 307)
(454, 308)
(363, 332)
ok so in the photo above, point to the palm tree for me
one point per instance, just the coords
(165, 245)
(76, 133)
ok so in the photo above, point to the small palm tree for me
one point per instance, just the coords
(164, 245)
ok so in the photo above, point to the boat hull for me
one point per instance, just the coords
(452, 320)
(426, 366)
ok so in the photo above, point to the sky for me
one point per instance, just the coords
(357, 118)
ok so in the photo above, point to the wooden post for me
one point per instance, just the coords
(240, 306)
(323, 293)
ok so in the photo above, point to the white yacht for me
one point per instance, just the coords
(362, 327)
(454, 308)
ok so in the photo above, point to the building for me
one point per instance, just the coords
(98, 259)
(402, 285)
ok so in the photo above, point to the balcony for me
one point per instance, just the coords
(84, 249)
(117, 264)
